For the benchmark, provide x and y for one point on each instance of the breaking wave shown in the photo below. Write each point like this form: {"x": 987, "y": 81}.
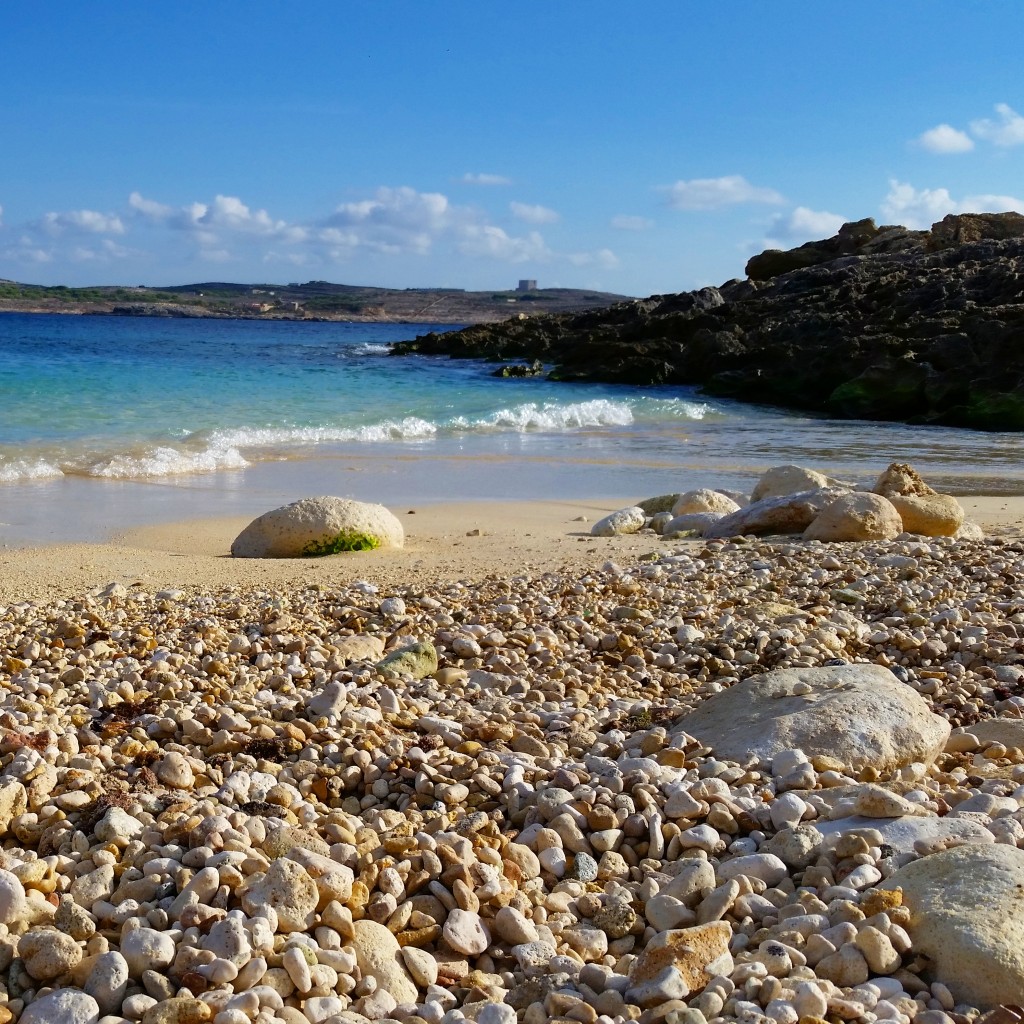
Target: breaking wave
{"x": 235, "y": 448}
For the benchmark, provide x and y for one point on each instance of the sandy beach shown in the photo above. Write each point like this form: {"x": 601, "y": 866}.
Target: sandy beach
{"x": 461, "y": 541}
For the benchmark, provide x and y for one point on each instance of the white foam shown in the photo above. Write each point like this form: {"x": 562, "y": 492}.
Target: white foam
{"x": 598, "y": 412}
{"x": 680, "y": 408}
{"x": 18, "y": 470}
{"x": 409, "y": 428}
{"x": 369, "y": 349}
{"x": 167, "y": 461}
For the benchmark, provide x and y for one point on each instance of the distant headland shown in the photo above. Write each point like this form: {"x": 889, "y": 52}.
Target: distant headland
{"x": 314, "y": 300}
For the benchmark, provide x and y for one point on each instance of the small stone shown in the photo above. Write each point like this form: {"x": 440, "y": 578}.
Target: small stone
{"x": 421, "y": 965}
{"x": 118, "y": 826}
{"x": 699, "y": 953}
{"x": 584, "y": 867}
{"x": 48, "y": 953}
{"x": 513, "y": 927}
{"x": 108, "y": 981}
{"x": 464, "y": 931}
{"x": 146, "y": 949}
{"x": 290, "y": 891}
{"x": 625, "y": 520}
{"x": 63, "y": 1006}
{"x": 667, "y": 984}
{"x": 846, "y": 967}
{"x": 496, "y": 1013}
{"x": 179, "y": 1010}
{"x": 615, "y": 920}
{"x": 418, "y": 660}
{"x": 378, "y": 955}
{"x": 73, "y": 919}
{"x": 12, "y": 898}
{"x": 173, "y": 770}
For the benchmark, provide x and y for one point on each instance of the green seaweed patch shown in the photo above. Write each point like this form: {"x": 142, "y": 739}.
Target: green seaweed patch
{"x": 343, "y": 541}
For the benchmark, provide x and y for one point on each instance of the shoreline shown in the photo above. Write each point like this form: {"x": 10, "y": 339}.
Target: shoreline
{"x": 445, "y": 542}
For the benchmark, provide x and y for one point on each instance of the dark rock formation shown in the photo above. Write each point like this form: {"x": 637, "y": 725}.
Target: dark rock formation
{"x": 874, "y": 323}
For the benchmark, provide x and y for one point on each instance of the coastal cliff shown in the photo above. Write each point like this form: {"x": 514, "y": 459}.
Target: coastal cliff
{"x": 874, "y": 323}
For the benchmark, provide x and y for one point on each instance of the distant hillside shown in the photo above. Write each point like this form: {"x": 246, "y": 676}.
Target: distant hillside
{"x": 314, "y": 300}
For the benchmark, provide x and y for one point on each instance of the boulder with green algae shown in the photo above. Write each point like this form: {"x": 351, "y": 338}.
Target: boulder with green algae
{"x": 313, "y": 527}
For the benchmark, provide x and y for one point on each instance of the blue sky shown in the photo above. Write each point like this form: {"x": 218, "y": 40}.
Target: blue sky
{"x": 636, "y": 148}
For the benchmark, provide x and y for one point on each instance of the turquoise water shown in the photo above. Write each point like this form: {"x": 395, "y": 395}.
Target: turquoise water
{"x": 129, "y": 420}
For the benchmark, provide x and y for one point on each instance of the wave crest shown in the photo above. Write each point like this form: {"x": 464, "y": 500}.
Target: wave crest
{"x": 23, "y": 470}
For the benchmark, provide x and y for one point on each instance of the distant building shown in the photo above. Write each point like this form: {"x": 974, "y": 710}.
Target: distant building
{"x": 526, "y": 285}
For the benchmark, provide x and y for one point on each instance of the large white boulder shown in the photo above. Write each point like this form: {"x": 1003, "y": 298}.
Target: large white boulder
{"x": 625, "y": 520}
{"x": 856, "y": 516}
{"x": 319, "y": 526}
{"x": 965, "y": 918}
{"x": 932, "y": 515}
{"x": 703, "y": 500}
{"x": 696, "y": 523}
{"x": 780, "y": 480}
{"x": 900, "y": 478}
{"x": 860, "y": 714}
{"x": 902, "y": 833}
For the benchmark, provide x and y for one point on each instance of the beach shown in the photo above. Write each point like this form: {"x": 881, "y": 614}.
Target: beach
{"x": 511, "y": 771}
{"x": 445, "y": 542}
{"x": 483, "y": 776}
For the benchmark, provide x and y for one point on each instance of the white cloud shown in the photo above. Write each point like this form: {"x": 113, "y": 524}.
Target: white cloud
{"x": 986, "y": 203}
{"x": 27, "y": 252}
{"x": 603, "y": 258}
{"x": 1006, "y": 130}
{"x": 492, "y": 241}
{"x": 533, "y": 214}
{"x": 623, "y": 222}
{"x": 803, "y": 224}
{"x": 714, "y": 193}
{"x": 106, "y": 251}
{"x": 920, "y": 208}
{"x": 485, "y": 179}
{"x": 224, "y": 214}
{"x": 916, "y": 208}
{"x": 944, "y": 138}
{"x": 391, "y": 221}
{"x": 395, "y": 220}
{"x": 149, "y": 207}
{"x": 89, "y": 221}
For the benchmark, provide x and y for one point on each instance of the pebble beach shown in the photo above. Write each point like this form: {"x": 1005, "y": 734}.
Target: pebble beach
{"x": 496, "y": 786}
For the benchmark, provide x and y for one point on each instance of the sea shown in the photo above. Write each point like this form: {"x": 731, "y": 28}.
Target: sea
{"x": 112, "y": 422}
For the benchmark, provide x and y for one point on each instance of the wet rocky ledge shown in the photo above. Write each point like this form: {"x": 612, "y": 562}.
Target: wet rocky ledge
{"x": 745, "y": 779}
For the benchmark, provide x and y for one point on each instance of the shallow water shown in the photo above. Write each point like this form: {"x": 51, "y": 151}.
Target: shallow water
{"x": 107, "y": 422}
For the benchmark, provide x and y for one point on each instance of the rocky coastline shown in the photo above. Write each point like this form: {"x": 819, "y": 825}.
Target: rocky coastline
{"x": 875, "y": 323}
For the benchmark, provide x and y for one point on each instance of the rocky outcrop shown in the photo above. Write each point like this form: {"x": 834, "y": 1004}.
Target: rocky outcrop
{"x": 874, "y": 323}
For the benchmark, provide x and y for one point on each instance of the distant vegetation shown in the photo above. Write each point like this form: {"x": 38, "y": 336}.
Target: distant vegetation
{"x": 316, "y": 300}
{"x": 61, "y": 293}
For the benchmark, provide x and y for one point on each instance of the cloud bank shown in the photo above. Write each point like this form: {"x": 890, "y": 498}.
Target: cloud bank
{"x": 920, "y": 208}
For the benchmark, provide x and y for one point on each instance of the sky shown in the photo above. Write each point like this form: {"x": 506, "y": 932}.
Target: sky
{"x": 634, "y": 148}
